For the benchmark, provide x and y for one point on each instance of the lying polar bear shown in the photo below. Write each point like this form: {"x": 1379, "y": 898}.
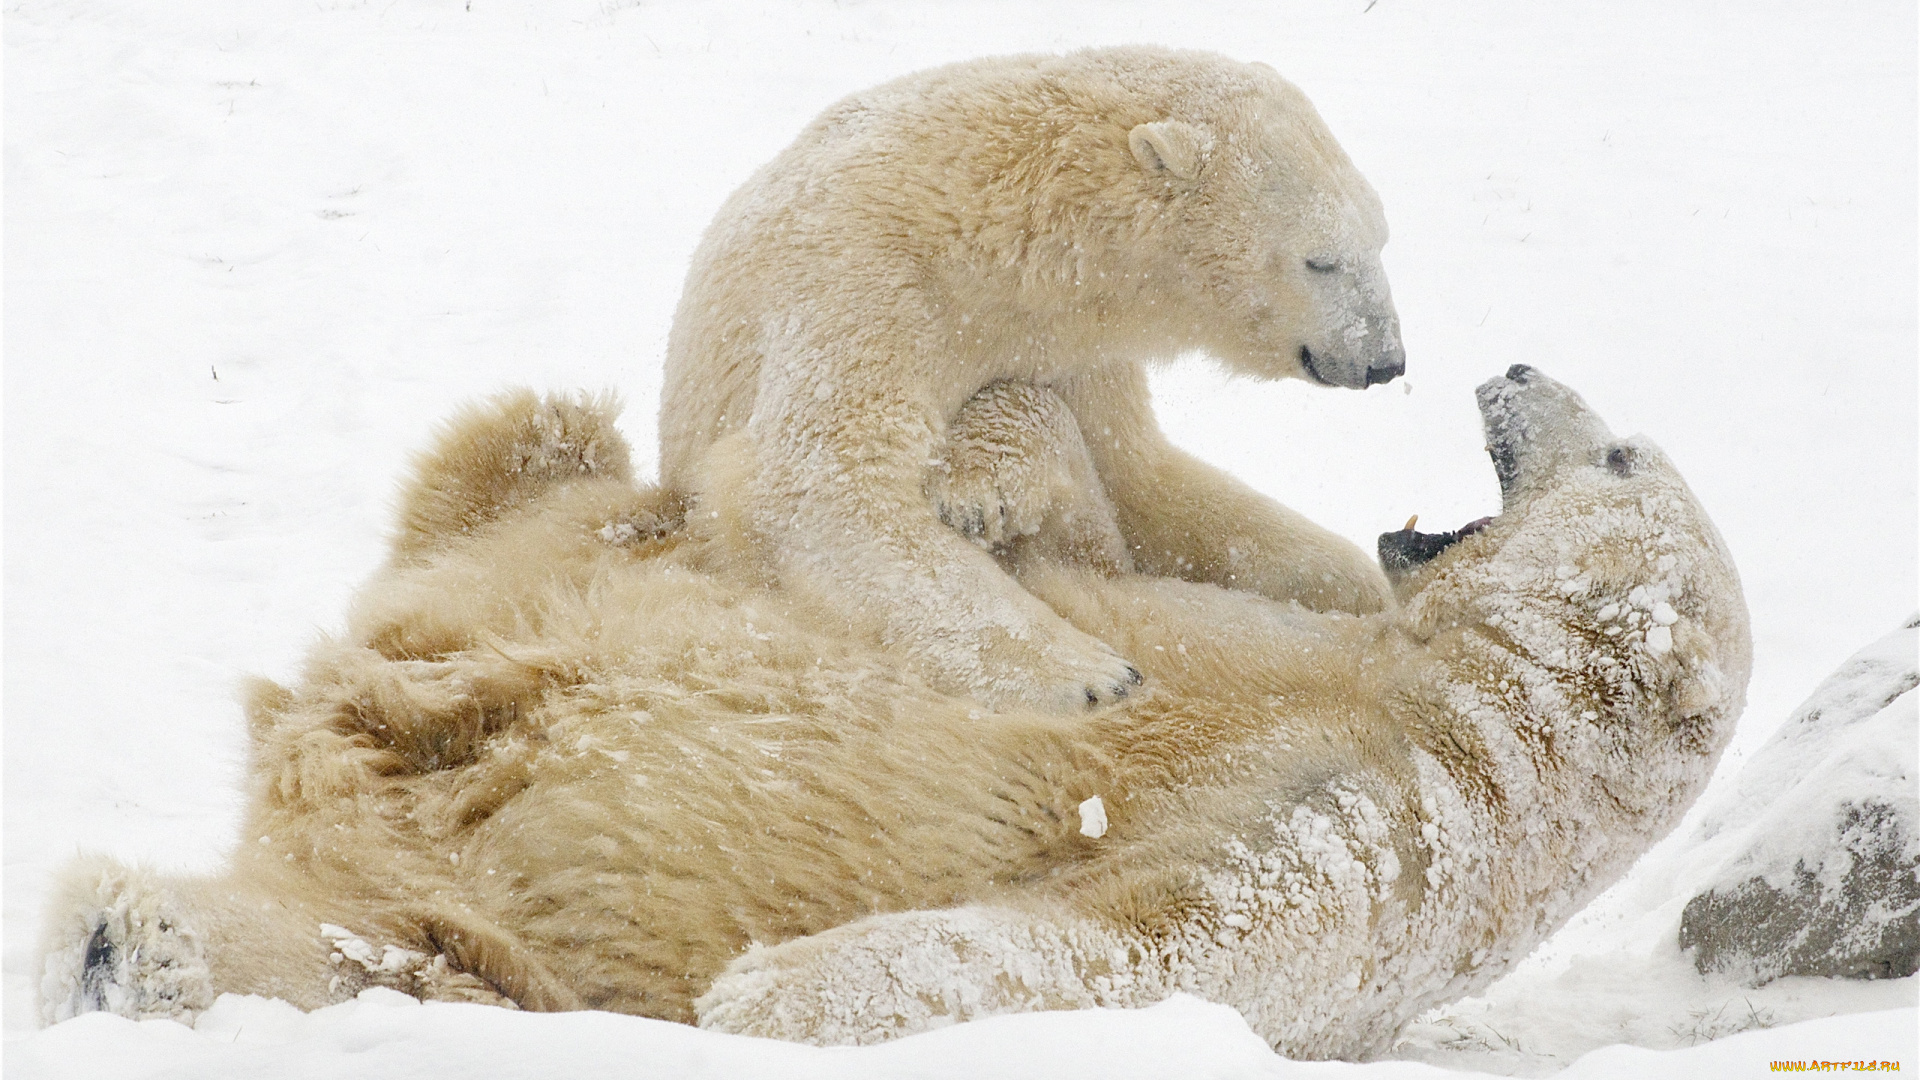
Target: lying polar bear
{"x": 572, "y": 755}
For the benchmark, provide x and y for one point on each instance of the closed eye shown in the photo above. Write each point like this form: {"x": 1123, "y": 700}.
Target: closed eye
{"x": 1322, "y": 266}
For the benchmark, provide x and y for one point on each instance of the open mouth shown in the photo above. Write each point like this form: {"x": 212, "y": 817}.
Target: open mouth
{"x": 1307, "y": 365}
{"x": 1407, "y": 549}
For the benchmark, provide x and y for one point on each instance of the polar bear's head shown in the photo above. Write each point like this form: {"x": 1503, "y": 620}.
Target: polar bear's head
{"x": 1548, "y": 446}
{"x": 1601, "y": 576}
{"x": 1571, "y": 492}
{"x": 1282, "y": 235}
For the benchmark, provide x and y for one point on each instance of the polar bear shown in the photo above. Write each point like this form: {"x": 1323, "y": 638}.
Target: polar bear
{"x": 636, "y": 778}
{"x": 1055, "y": 220}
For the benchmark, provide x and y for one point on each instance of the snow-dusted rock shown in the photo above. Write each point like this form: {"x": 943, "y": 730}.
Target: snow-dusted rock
{"x": 1828, "y": 879}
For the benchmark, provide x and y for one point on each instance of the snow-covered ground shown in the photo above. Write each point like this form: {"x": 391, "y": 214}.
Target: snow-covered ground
{"x": 387, "y": 1035}
{"x": 254, "y": 248}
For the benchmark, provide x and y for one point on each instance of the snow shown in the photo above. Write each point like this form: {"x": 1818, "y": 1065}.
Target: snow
{"x": 255, "y": 248}
{"x": 386, "y": 1035}
{"x": 1093, "y": 818}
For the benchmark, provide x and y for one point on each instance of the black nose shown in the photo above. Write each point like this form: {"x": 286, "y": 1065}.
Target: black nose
{"x": 1518, "y": 373}
{"x": 1387, "y": 372}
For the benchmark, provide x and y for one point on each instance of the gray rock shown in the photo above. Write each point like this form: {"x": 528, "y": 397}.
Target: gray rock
{"x": 1827, "y": 881}
{"x": 1866, "y": 928}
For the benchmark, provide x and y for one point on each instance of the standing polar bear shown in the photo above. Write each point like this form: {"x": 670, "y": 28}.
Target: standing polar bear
{"x": 567, "y": 756}
{"x": 1056, "y": 220}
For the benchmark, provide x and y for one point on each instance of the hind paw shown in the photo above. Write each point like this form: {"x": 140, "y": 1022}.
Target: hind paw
{"x": 126, "y": 952}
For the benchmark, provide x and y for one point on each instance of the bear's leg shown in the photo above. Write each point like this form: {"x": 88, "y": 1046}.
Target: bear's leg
{"x": 117, "y": 940}
{"x": 1016, "y": 478}
{"x": 498, "y": 455}
{"x": 1184, "y": 518}
{"x": 146, "y": 946}
{"x": 839, "y": 490}
{"x": 890, "y": 976}
{"x": 142, "y": 945}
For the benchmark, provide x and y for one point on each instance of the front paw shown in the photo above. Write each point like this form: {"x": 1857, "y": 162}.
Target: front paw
{"x": 788, "y": 992}
{"x": 1065, "y": 671}
{"x": 986, "y": 507}
{"x": 889, "y": 976}
{"x": 1096, "y": 680}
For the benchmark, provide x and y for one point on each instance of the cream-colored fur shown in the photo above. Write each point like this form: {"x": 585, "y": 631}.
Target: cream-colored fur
{"x": 571, "y": 754}
{"x": 1057, "y": 220}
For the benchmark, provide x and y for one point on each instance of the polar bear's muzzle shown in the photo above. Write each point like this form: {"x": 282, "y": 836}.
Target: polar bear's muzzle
{"x": 1391, "y": 364}
{"x": 1536, "y": 429}
{"x": 1509, "y": 427}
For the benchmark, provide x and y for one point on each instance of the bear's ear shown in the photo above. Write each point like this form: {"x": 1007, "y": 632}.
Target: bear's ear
{"x": 1169, "y": 146}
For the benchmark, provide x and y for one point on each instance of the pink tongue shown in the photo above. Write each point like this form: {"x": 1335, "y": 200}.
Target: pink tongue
{"x": 1475, "y": 526}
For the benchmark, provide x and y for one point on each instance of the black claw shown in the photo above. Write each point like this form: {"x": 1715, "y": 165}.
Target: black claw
{"x": 96, "y": 970}
{"x": 1092, "y": 698}
{"x": 1134, "y": 676}
{"x": 99, "y": 949}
